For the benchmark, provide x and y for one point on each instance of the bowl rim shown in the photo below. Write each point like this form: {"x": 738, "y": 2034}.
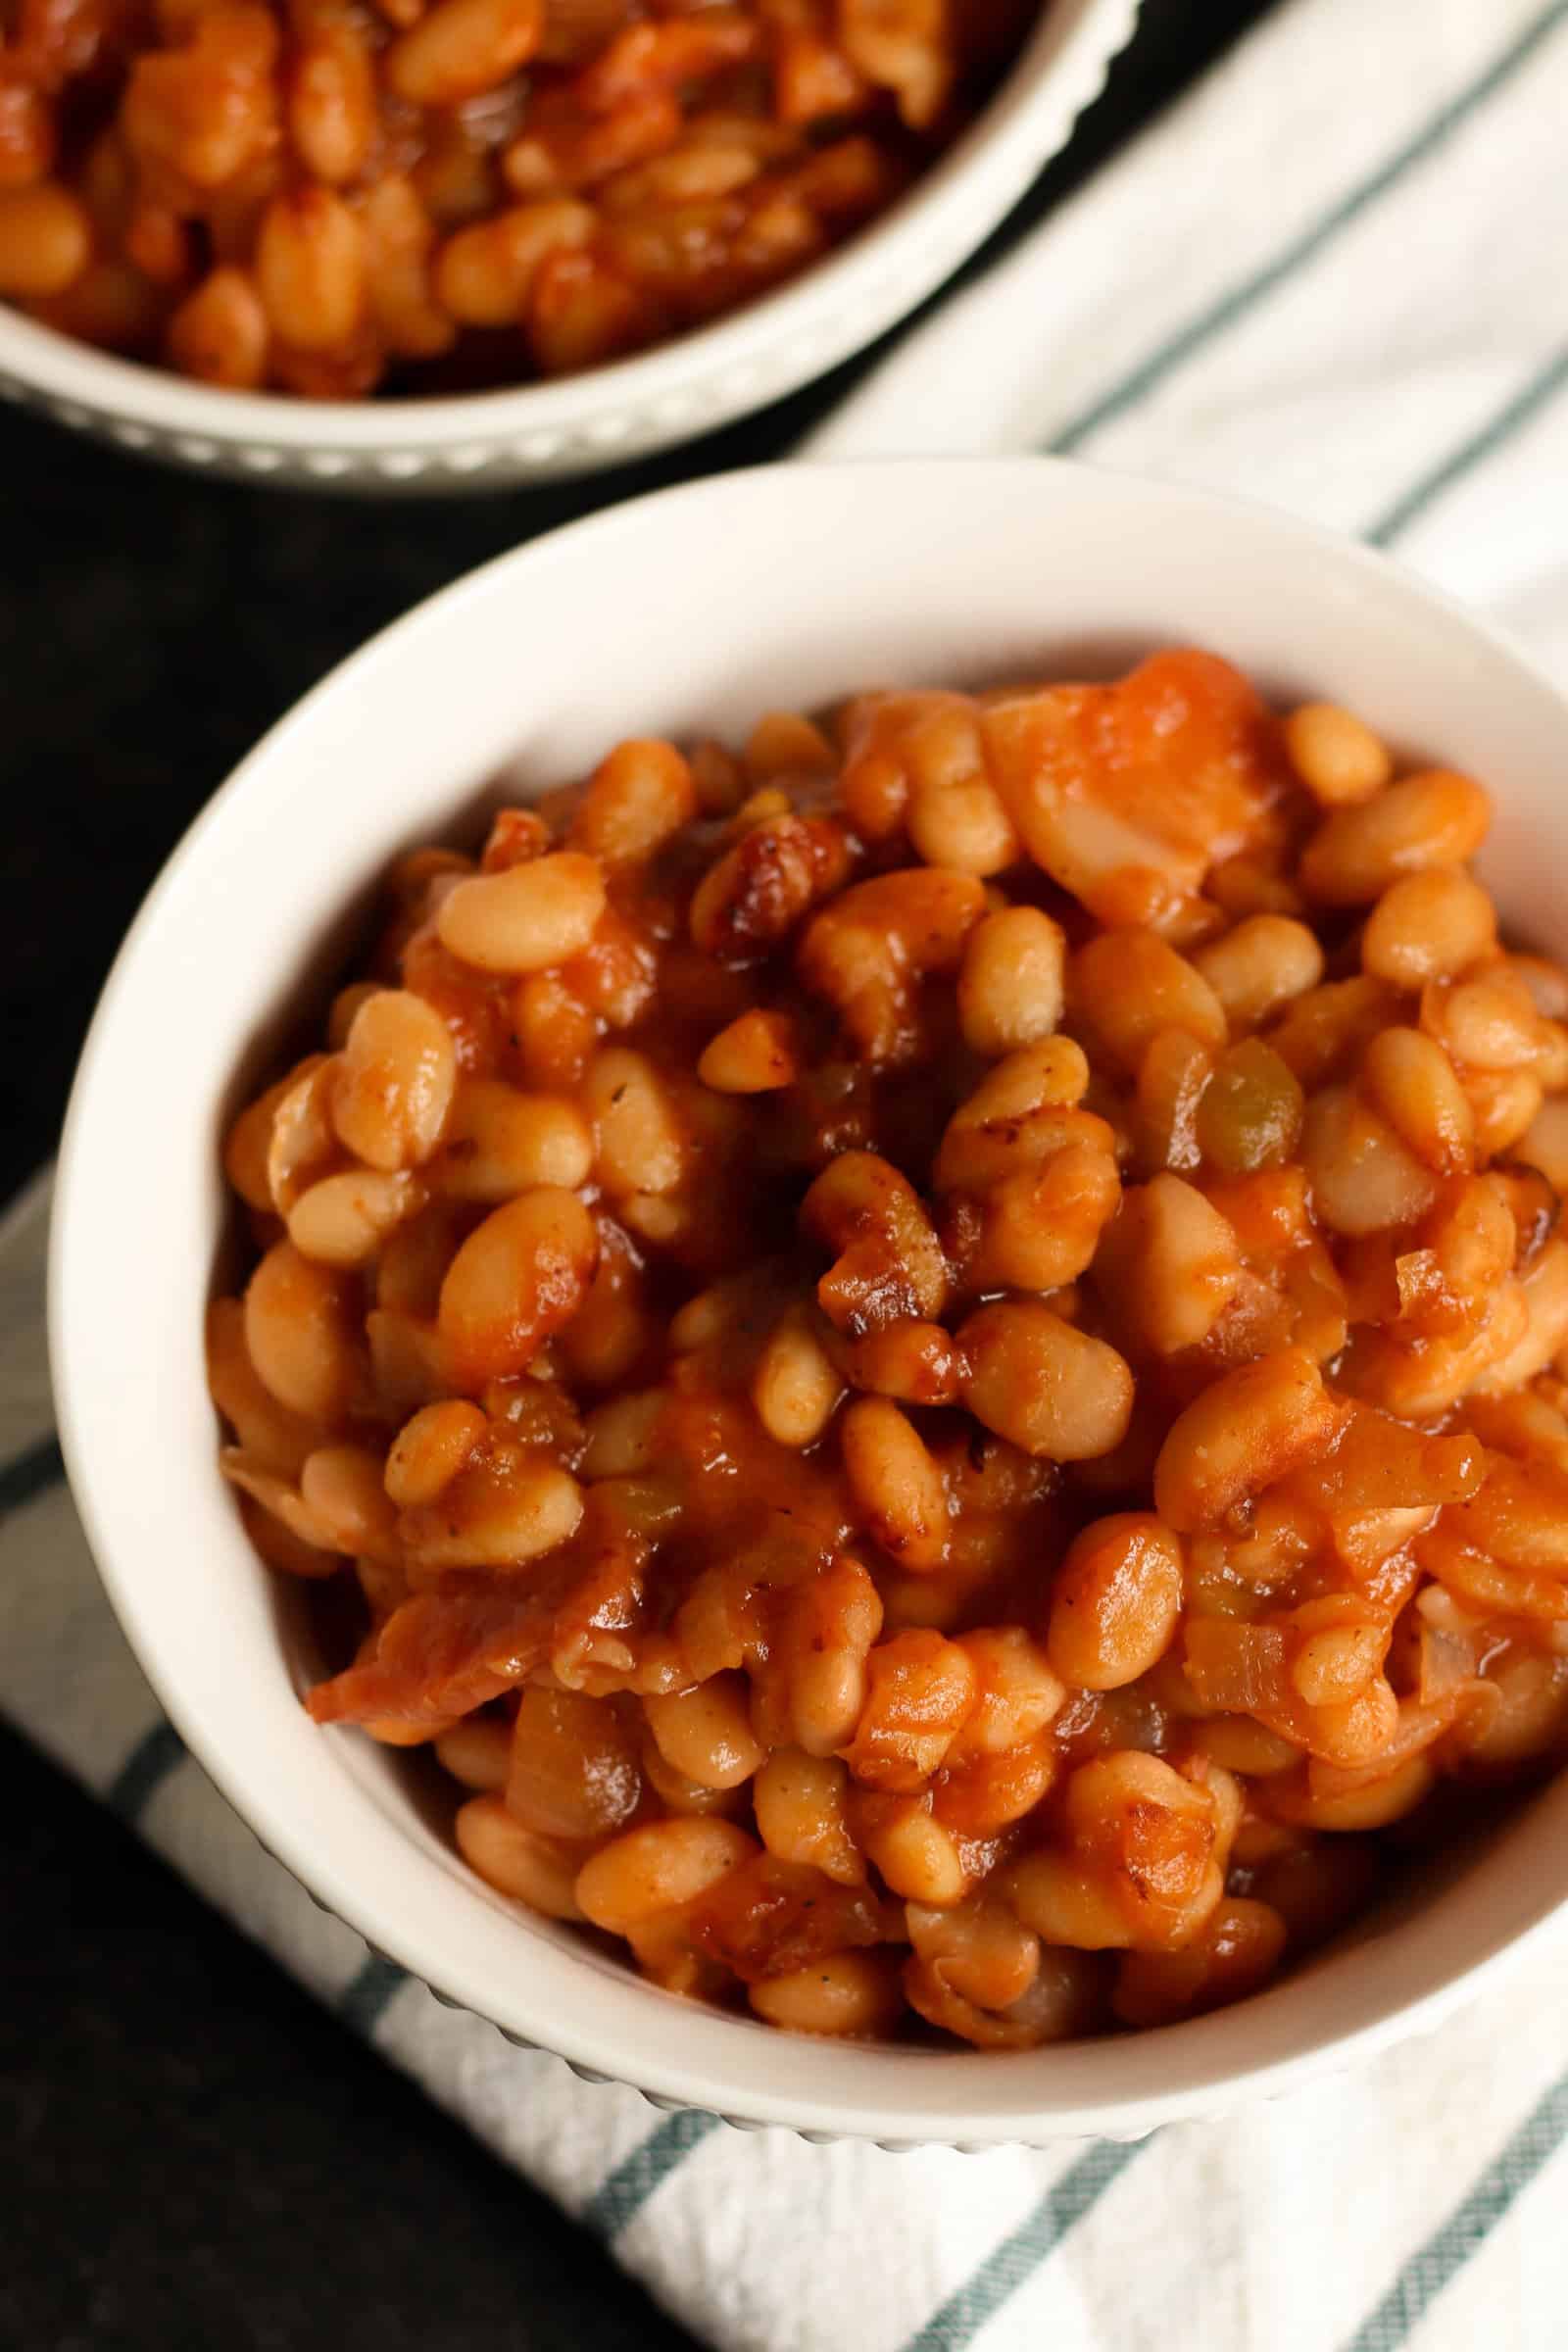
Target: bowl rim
{"x": 1058, "y": 74}
{"x": 1192, "y": 2088}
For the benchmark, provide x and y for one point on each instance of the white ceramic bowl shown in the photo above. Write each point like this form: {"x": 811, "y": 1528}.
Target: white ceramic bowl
{"x": 690, "y": 386}
{"x": 693, "y": 610}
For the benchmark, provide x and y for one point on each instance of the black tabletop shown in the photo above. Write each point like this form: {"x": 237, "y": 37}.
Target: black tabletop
{"x": 202, "y": 2156}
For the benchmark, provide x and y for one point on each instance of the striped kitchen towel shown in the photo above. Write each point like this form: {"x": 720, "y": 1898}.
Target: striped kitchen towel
{"x": 1331, "y": 277}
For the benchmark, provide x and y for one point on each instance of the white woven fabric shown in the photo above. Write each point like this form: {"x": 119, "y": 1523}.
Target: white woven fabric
{"x": 1332, "y": 277}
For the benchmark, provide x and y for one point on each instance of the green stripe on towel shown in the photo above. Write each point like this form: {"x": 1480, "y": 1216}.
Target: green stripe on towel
{"x": 1467, "y": 2229}
{"x": 1516, "y": 412}
{"x": 32, "y": 1474}
{"x": 144, "y": 1772}
{"x": 626, "y": 2190}
{"x": 1018, "y": 2257}
{"x": 1248, "y": 291}
{"x": 369, "y": 1995}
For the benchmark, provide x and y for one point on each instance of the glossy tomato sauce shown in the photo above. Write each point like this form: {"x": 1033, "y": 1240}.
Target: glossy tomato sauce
{"x": 934, "y": 1347}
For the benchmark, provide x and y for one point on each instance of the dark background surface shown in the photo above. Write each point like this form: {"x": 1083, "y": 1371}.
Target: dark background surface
{"x": 202, "y": 2157}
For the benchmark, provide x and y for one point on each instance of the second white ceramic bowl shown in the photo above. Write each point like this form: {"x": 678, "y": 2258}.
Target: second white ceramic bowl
{"x": 488, "y": 440}
{"x": 691, "y": 613}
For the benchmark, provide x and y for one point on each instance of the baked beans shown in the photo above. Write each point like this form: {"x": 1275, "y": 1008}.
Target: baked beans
{"x": 335, "y": 197}
{"x": 933, "y": 1350}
